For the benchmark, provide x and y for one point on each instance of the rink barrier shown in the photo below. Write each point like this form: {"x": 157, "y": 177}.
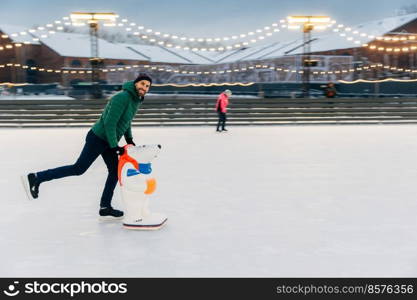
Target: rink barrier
{"x": 171, "y": 112}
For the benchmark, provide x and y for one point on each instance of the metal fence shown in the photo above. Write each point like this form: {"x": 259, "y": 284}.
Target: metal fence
{"x": 165, "y": 112}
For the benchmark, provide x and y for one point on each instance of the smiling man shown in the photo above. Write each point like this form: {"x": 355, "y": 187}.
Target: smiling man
{"x": 102, "y": 139}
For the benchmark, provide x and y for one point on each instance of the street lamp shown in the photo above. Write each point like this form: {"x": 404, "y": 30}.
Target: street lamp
{"x": 93, "y": 20}
{"x": 307, "y": 24}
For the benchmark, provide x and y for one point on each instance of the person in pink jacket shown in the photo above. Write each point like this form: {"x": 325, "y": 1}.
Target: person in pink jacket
{"x": 221, "y": 108}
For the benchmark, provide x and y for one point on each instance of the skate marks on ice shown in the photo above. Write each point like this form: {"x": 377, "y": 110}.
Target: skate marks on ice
{"x": 330, "y": 200}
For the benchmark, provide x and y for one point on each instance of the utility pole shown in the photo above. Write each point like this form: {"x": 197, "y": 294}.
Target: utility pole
{"x": 308, "y": 23}
{"x": 95, "y": 61}
{"x": 306, "y": 60}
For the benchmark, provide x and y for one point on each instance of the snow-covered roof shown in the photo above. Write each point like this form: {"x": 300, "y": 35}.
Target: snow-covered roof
{"x": 334, "y": 41}
{"x": 17, "y": 34}
{"x": 78, "y": 45}
{"x": 329, "y": 41}
{"x": 259, "y": 52}
{"x": 216, "y": 57}
{"x": 194, "y": 57}
{"x": 167, "y": 55}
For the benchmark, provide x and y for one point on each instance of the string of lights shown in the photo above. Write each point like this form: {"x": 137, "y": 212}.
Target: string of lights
{"x": 176, "y": 70}
{"x": 240, "y": 83}
{"x": 152, "y": 36}
{"x": 165, "y": 84}
{"x": 344, "y": 31}
{"x": 390, "y": 49}
{"x": 44, "y": 69}
{"x": 43, "y": 31}
{"x": 377, "y": 81}
{"x": 205, "y": 84}
{"x": 168, "y": 40}
{"x": 357, "y": 36}
{"x": 397, "y": 38}
{"x": 386, "y": 44}
{"x": 13, "y": 84}
{"x": 149, "y": 33}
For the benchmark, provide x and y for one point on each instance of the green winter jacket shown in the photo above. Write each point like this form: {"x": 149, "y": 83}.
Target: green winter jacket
{"x": 116, "y": 119}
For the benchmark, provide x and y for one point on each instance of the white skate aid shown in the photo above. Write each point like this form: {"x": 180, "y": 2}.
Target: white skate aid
{"x": 136, "y": 184}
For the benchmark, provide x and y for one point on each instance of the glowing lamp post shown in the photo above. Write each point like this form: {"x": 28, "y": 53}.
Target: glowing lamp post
{"x": 93, "y": 20}
{"x": 307, "y": 24}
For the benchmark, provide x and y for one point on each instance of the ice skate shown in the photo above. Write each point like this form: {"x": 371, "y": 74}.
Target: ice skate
{"x": 110, "y": 214}
{"x": 31, "y": 185}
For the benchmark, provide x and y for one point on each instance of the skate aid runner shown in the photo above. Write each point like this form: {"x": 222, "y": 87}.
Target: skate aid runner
{"x": 136, "y": 184}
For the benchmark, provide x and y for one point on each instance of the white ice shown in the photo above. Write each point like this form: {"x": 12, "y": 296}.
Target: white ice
{"x": 284, "y": 201}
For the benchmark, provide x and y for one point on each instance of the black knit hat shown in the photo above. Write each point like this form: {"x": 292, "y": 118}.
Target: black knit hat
{"x": 143, "y": 76}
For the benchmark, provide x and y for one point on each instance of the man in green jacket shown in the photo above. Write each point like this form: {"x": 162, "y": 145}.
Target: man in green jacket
{"x": 102, "y": 139}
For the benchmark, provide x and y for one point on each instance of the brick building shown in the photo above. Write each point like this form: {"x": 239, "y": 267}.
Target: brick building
{"x": 65, "y": 56}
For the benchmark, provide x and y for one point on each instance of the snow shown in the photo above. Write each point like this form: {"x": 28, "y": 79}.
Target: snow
{"x": 15, "y": 29}
{"x": 272, "y": 201}
{"x": 158, "y": 54}
{"x": 78, "y": 45}
{"x": 376, "y": 28}
{"x": 325, "y": 41}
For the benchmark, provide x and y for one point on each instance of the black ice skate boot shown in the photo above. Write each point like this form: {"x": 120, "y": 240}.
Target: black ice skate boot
{"x": 31, "y": 185}
{"x": 109, "y": 213}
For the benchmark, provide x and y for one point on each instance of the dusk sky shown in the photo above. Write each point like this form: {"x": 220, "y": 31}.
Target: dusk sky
{"x": 200, "y": 17}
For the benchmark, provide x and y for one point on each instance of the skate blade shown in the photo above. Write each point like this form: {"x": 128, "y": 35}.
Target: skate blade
{"x": 26, "y": 186}
{"x": 109, "y": 218}
{"x": 145, "y": 227}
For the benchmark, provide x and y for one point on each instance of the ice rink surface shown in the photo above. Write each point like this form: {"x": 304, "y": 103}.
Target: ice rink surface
{"x": 279, "y": 201}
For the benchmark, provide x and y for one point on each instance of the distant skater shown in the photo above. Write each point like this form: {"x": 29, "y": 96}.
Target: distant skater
{"x": 330, "y": 90}
{"x": 102, "y": 139}
{"x": 221, "y": 108}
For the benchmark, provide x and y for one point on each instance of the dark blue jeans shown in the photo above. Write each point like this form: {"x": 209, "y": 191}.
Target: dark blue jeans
{"x": 222, "y": 120}
{"x": 94, "y": 146}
